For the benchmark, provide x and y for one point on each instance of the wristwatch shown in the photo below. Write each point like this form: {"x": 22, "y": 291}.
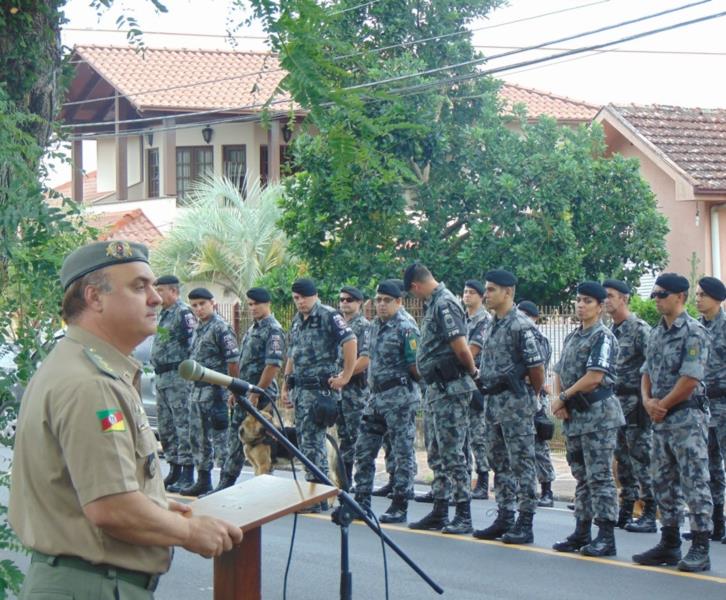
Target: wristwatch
{"x": 562, "y": 397}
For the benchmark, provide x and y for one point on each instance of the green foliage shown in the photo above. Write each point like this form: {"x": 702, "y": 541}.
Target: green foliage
{"x": 647, "y": 311}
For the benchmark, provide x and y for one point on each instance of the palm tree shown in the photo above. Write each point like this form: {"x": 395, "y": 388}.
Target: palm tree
{"x": 222, "y": 237}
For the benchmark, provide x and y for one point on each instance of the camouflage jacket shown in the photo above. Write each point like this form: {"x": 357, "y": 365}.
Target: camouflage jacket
{"x": 362, "y": 329}
{"x": 214, "y": 344}
{"x": 314, "y": 342}
{"x": 263, "y": 344}
{"x": 592, "y": 349}
{"x": 173, "y": 340}
{"x": 476, "y": 326}
{"x": 632, "y": 335}
{"x": 715, "y": 375}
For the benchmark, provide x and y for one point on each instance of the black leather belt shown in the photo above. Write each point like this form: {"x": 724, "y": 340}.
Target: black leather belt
{"x": 623, "y": 390}
{"x": 313, "y": 383}
{"x": 160, "y": 370}
{"x": 389, "y": 384}
{"x": 140, "y": 579}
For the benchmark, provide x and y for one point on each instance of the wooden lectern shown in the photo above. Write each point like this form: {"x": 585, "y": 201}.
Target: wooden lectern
{"x": 251, "y": 504}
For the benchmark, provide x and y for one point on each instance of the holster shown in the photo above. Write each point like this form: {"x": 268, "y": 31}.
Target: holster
{"x": 324, "y": 409}
{"x": 219, "y": 413}
{"x": 583, "y": 402}
{"x": 359, "y": 381}
{"x": 373, "y": 423}
{"x": 477, "y": 401}
{"x": 638, "y": 416}
{"x": 544, "y": 426}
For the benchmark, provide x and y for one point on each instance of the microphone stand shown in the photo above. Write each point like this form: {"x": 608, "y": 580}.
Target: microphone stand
{"x": 348, "y": 506}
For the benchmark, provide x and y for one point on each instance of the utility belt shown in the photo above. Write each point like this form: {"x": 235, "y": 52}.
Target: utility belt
{"x": 698, "y": 403}
{"x": 624, "y": 390}
{"x": 444, "y": 372}
{"x": 161, "y": 369}
{"x": 582, "y": 402}
{"x": 140, "y": 579}
{"x": 308, "y": 383}
{"x": 712, "y": 393}
{"x": 359, "y": 380}
{"x": 389, "y": 384}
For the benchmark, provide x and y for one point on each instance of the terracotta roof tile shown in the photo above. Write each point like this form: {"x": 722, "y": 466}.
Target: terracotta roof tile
{"x": 540, "y": 103}
{"x": 132, "y": 225}
{"x": 693, "y": 138}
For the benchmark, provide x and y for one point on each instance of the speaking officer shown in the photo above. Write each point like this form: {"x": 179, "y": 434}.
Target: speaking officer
{"x": 635, "y": 439}
{"x": 171, "y": 346}
{"x": 445, "y": 362}
{"x": 672, "y": 389}
{"x": 510, "y": 353}
{"x": 584, "y": 378}
{"x": 393, "y": 402}
{"x": 214, "y": 346}
{"x": 86, "y": 494}
{"x": 317, "y": 334}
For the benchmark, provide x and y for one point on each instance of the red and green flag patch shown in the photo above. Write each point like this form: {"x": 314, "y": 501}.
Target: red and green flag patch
{"x": 111, "y": 420}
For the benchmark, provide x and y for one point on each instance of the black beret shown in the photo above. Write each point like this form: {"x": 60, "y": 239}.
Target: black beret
{"x": 304, "y": 287}
{"x": 408, "y": 275}
{"x": 167, "y": 280}
{"x": 200, "y": 294}
{"x": 258, "y": 294}
{"x": 501, "y": 277}
{"x": 529, "y": 307}
{"x": 352, "y": 291}
{"x": 399, "y": 283}
{"x": 390, "y": 287}
{"x": 475, "y": 284}
{"x": 713, "y": 287}
{"x": 672, "y": 282}
{"x": 616, "y": 284}
{"x": 98, "y": 255}
{"x": 592, "y": 289}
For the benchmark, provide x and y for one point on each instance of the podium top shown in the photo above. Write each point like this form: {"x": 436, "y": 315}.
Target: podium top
{"x": 261, "y": 499}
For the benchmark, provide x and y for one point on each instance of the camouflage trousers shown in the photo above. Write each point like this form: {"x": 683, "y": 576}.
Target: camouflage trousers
{"x": 543, "y": 461}
{"x": 310, "y": 435}
{"x": 235, "y": 449}
{"x": 476, "y": 452}
{"x": 590, "y": 457}
{"x": 680, "y": 473}
{"x": 350, "y": 410}
{"x": 207, "y": 413}
{"x": 717, "y": 450}
{"x": 632, "y": 452}
{"x": 172, "y": 413}
{"x": 448, "y": 423}
{"x": 396, "y": 424}
{"x": 511, "y": 457}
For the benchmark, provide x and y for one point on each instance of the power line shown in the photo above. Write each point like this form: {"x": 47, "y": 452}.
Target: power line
{"x": 170, "y": 33}
{"x": 616, "y": 50}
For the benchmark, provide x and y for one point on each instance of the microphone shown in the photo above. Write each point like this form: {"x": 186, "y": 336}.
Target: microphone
{"x": 193, "y": 371}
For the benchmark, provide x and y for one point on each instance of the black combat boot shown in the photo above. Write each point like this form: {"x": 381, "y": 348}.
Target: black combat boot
{"x": 646, "y": 522}
{"x": 202, "y": 486}
{"x": 436, "y": 520}
{"x": 577, "y": 539}
{"x": 365, "y": 502}
{"x": 461, "y": 523}
{"x": 397, "y": 512}
{"x": 604, "y": 543}
{"x": 503, "y": 523}
{"x": 481, "y": 490}
{"x": 173, "y": 475}
{"x": 625, "y": 514}
{"x": 697, "y": 558}
{"x": 186, "y": 479}
{"x": 385, "y": 489}
{"x": 666, "y": 552}
{"x": 225, "y": 481}
{"x": 546, "y": 500}
{"x": 718, "y": 523}
{"x": 521, "y": 533}
{"x": 428, "y": 497}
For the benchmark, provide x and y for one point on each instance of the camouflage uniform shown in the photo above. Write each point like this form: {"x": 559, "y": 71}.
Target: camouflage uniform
{"x": 392, "y": 405}
{"x": 542, "y": 459}
{"x": 313, "y": 348}
{"x": 635, "y": 439}
{"x": 213, "y": 346}
{"x": 592, "y": 433}
{"x": 354, "y": 396}
{"x": 447, "y": 402}
{"x": 476, "y": 332}
{"x": 511, "y": 344}
{"x": 171, "y": 346}
{"x": 680, "y": 447}
{"x": 263, "y": 344}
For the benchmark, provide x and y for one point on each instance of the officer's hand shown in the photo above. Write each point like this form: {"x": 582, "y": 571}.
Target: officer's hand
{"x": 209, "y": 537}
{"x": 178, "y": 507}
{"x": 655, "y": 410}
{"x": 253, "y": 398}
{"x": 231, "y": 401}
{"x": 338, "y": 382}
{"x": 284, "y": 396}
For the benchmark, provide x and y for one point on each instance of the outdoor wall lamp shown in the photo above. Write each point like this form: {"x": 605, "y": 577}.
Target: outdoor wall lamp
{"x": 286, "y": 132}
{"x": 150, "y": 138}
{"x": 207, "y": 134}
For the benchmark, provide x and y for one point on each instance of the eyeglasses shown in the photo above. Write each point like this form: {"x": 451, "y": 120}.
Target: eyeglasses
{"x": 662, "y": 294}
{"x": 347, "y": 299}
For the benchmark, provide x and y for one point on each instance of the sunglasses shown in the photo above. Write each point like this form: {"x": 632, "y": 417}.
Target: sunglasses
{"x": 662, "y": 294}
{"x": 347, "y": 299}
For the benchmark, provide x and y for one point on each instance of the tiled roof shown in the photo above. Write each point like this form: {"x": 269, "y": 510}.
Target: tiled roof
{"x": 540, "y": 103}
{"x": 90, "y": 193}
{"x": 132, "y": 225}
{"x": 692, "y": 138}
{"x": 188, "y": 80}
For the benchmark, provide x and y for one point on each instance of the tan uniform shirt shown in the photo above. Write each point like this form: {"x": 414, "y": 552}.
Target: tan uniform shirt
{"x": 83, "y": 434}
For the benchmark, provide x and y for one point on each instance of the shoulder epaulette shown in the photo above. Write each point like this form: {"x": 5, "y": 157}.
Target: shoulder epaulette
{"x": 100, "y": 362}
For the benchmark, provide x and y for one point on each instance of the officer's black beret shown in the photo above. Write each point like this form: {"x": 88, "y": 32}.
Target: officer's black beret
{"x": 390, "y": 287}
{"x": 618, "y": 285}
{"x": 98, "y": 255}
{"x": 672, "y": 282}
{"x": 258, "y": 294}
{"x": 354, "y": 292}
{"x": 399, "y": 283}
{"x": 713, "y": 287}
{"x": 475, "y": 284}
{"x": 304, "y": 287}
{"x": 167, "y": 280}
{"x": 200, "y": 294}
{"x": 592, "y": 289}
{"x": 529, "y": 307}
{"x": 501, "y": 277}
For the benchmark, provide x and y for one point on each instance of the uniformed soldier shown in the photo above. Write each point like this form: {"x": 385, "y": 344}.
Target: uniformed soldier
{"x": 477, "y": 321}
{"x": 673, "y": 394}
{"x": 262, "y": 354}
{"x": 635, "y": 439}
{"x": 214, "y": 346}
{"x": 172, "y": 344}
{"x": 393, "y": 402}
{"x": 542, "y": 458}
{"x": 510, "y": 353}
{"x": 584, "y": 378}
{"x": 354, "y": 396}
{"x": 312, "y": 381}
{"x": 709, "y": 296}
{"x": 86, "y": 492}
{"x": 446, "y": 364}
